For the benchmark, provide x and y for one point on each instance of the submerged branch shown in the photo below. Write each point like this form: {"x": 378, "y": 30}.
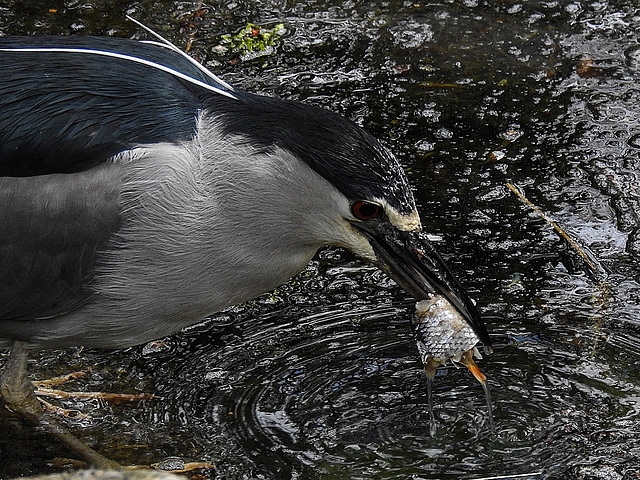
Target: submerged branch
{"x": 594, "y": 268}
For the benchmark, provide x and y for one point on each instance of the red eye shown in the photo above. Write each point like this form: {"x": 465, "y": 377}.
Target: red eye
{"x": 365, "y": 210}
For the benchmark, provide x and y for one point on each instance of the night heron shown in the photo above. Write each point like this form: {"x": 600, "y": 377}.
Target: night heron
{"x": 140, "y": 193}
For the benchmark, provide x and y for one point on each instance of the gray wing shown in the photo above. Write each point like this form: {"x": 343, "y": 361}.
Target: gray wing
{"x": 52, "y": 227}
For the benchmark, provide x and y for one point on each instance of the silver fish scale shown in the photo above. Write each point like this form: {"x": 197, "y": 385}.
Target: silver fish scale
{"x": 440, "y": 330}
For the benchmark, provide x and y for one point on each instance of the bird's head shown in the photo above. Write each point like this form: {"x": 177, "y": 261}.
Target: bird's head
{"x": 376, "y": 215}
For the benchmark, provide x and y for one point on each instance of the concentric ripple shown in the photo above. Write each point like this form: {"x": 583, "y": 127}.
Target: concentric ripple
{"x": 329, "y": 392}
{"x": 339, "y": 393}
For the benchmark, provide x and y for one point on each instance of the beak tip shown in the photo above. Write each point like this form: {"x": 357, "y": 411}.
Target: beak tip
{"x": 412, "y": 261}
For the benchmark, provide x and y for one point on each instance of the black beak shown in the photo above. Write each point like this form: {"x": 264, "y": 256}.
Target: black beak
{"x": 410, "y": 259}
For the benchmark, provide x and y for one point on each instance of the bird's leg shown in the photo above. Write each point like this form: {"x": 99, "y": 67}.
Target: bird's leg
{"x": 19, "y": 396}
{"x": 16, "y": 389}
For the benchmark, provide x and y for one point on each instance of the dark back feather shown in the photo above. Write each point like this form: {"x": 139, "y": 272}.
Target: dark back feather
{"x": 64, "y": 111}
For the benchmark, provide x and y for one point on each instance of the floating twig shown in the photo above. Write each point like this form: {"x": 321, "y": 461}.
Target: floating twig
{"x": 594, "y": 266}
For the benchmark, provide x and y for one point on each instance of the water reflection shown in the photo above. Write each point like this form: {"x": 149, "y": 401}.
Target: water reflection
{"x": 321, "y": 379}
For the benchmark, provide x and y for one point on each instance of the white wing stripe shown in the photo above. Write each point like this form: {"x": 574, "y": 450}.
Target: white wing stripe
{"x": 121, "y": 56}
{"x": 167, "y": 44}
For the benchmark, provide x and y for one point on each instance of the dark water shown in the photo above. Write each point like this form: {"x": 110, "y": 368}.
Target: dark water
{"x": 321, "y": 379}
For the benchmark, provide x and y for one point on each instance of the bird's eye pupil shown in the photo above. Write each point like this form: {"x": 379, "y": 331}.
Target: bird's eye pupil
{"x": 365, "y": 210}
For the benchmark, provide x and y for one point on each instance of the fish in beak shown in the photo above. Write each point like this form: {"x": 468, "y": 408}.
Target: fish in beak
{"x": 409, "y": 258}
{"x": 442, "y": 335}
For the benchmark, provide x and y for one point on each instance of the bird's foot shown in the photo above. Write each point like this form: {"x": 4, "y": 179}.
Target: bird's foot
{"x": 55, "y": 381}
{"x": 111, "y": 397}
{"x": 19, "y": 397}
{"x": 48, "y": 422}
{"x": 43, "y": 389}
{"x": 70, "y": 413}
